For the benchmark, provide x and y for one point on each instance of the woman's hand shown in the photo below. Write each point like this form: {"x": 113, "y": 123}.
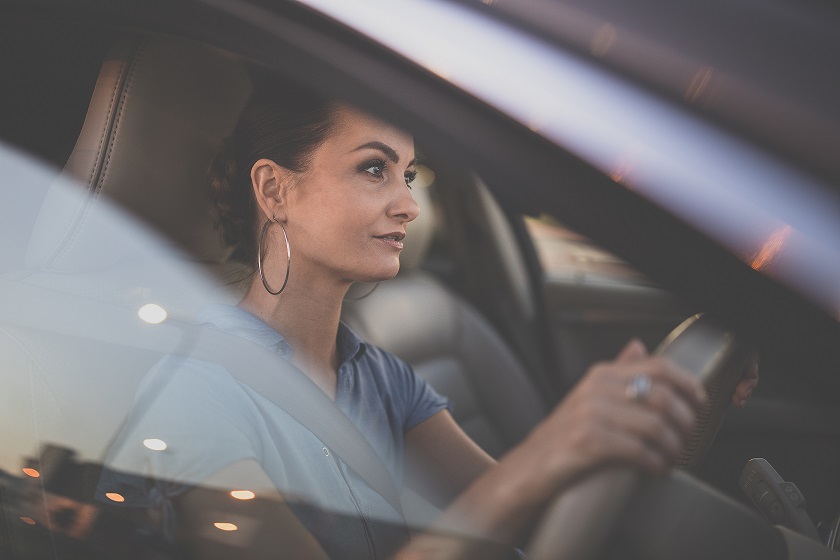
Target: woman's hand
{"x": 610, "y": 418}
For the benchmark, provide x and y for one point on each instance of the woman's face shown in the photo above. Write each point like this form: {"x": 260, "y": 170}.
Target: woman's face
{"x": 346, "y": 215}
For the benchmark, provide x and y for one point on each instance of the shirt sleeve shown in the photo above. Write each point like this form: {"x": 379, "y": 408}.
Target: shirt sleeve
{"x": 420, "y": 401}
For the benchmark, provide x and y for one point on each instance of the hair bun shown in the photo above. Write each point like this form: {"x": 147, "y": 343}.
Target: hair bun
{"x": 232, "y": 212}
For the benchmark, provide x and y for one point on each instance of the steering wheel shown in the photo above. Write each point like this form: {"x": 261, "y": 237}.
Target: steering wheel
{"x": 583, "y": 516}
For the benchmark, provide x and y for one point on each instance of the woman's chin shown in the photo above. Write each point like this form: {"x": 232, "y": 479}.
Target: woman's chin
{"x": 380, "y": 274}
{"x": 378, "y": 277}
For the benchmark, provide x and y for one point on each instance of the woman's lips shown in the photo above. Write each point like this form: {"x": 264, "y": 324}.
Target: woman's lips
{"x": 392, "y": 239}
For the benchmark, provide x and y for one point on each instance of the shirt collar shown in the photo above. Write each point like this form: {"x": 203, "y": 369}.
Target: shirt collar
{"x": 236, "y": 320}
{"x": 349, "y": 345}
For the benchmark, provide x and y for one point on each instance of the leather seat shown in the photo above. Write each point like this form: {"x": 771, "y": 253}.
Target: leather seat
{"x": 158, "y": 114}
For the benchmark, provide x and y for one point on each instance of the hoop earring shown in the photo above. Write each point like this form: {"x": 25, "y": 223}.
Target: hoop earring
{"x": 364, "y": 296}
{"x": 260, "y": 253}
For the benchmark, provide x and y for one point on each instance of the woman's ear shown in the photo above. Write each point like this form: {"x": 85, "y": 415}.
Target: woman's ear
{"x": 271, "y": 183}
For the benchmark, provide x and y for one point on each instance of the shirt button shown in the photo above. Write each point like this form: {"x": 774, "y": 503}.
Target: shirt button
{"x": 326, "y": 452}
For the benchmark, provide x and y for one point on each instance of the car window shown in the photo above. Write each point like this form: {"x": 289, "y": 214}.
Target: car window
{"x": 107, "y": 269}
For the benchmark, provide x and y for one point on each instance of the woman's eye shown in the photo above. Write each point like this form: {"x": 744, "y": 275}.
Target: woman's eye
{"x": 409, "y": 177}
{"x": 375, "y": 168}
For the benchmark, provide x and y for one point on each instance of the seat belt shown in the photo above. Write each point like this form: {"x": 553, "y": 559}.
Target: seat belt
{"x": 292, "y": 391}
{"x": 254, "y": 365}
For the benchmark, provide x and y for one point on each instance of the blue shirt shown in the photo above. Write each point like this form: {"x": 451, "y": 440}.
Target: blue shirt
{"x": 209, "y": 420}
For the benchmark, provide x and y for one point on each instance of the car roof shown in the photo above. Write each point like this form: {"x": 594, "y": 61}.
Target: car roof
{"x": 762, "y": 68}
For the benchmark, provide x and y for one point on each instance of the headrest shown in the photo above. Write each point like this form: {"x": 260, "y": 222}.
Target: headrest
{"x": 159, "y": 112}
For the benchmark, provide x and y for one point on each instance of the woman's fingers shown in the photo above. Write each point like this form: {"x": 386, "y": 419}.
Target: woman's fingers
{"x": 668, "y": 405}
{"x": 683, "y": 382}
{"x": 634, "y": 351}
{"x": 650, "y": 403}
{"x": 648, "y": 427}
{"x": 672, "y": 390}
{"x": 618, "y": 446}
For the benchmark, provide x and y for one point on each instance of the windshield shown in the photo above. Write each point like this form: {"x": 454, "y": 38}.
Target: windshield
{"x": 766, "y": 211}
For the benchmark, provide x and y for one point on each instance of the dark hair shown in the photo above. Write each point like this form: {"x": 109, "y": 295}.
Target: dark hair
{"x": 283, "y": 122}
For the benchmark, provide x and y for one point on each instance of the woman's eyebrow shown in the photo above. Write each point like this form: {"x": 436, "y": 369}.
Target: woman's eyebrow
{"x": 389, "y": 152}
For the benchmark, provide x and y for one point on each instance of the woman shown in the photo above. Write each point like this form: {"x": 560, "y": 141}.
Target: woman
{"x": 316, "y": 195}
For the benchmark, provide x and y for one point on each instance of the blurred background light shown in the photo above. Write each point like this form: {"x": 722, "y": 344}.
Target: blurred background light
{"x": 152, "y": 313}
{"x": 243, "y": 494}
{"x": 155, "y": 444}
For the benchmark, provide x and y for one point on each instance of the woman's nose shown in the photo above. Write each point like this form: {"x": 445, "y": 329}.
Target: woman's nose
{"x": 405, "y": 207}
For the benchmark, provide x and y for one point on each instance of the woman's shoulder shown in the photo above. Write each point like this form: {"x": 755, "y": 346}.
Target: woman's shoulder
{"x": 378, "y": 361}
{"x": 392, "y": 375}
{"x": 176, "y": 375}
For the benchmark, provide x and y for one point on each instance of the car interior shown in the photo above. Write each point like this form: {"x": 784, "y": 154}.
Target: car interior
{"x": 154, "y": 88}
{"x": 470, "y": 310}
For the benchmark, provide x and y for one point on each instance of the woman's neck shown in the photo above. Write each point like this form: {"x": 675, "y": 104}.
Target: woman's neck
{"x": 308, "y": 320}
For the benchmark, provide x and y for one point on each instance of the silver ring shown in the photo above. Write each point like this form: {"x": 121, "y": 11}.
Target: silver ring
{"x": 638, "y": 388}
